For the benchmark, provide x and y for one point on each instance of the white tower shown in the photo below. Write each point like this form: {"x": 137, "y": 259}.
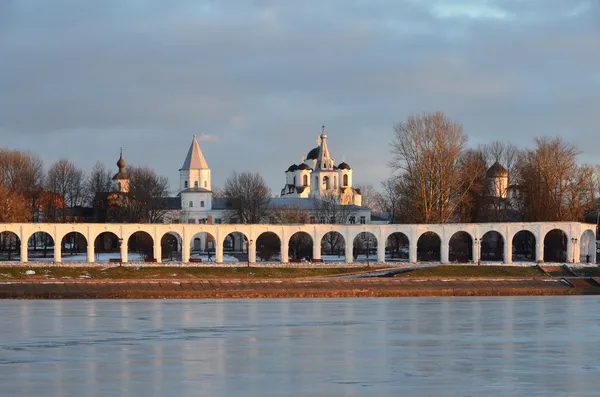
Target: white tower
{"x": 498, "y": 180}
{"x": 194, "y": 172}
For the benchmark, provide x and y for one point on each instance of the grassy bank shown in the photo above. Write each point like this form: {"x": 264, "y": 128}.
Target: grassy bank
{"x": 474, "y": 271}
{"x": 125, "y": 273}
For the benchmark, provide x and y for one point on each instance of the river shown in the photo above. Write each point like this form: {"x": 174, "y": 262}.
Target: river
{"x": 505, "y": 346}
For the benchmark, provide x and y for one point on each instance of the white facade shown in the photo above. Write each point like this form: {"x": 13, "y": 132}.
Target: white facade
{"x": 317, "y": 176}
{"x": 580, "y": 236}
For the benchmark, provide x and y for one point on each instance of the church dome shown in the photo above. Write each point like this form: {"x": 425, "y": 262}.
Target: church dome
{"x": 344, "y": 166}
{"x": 313, "y": 154}
{"x": 292, "y": 168}
{"x": 121, "y": 162}
{"x": 496, "y": 170}
{"x": 304, "y": 167}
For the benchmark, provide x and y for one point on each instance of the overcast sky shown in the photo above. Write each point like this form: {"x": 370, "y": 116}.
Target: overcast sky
{"x": 255, "y": 80}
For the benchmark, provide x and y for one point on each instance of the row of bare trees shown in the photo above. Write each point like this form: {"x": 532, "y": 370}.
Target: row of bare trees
{"x": 28, "y": 193}
{"x": 437, "y": 179}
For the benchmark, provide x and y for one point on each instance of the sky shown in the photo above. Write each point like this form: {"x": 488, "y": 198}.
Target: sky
{"x": 255, "y": 80}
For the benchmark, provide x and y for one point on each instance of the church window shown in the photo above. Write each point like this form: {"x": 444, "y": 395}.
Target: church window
{"x": 191, "y": 221}
{"x": 294, "y": 180}
{"x": 191, "y": 203}
{"x": 326, "y": 183}
{"x": 120, "y": 188}
{"x": 352, "y": 220}
{"x": 218, "y": 221}
{"x": 195, "y": 183}
{"x": 322, "y": 219}
{"x": 305, "y": 180}
{"x": 362, "y": 220}
{"x": 185, "y": 184}
{"x": 334, "y": 181}
{"x": 345, "y": 180}
{"x": 313, "y": 219}
{"x": 205, "y": 184}
{"x": 202, "y": 204}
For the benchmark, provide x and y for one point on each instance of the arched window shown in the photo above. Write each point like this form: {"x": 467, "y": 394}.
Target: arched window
{"x": 185, "y": 184}
{"x": 119, "y": 187}
{"x": 326, "y": 182}
{"x": 195, "y": 183}
{"x": 191, "y": 203}
{"x": 201, "y": 203}
{"x": 345, "y": 180}
{"x": 305, "y": 180}
{"x": 205, "y": 184}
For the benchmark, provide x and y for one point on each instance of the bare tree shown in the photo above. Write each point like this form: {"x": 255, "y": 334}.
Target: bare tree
{"x": 22, "y": 173}
{"x": 390, "y": 199}
{"x": 248, "y": 197}
{"x": 67, "y": 181}
{"x": 146, "y": 200}
{"x": 553, "y": 186}
{"x": 427, "y": 152}
{"x": 369, "y": 195}
{"x": 99, "y": 181}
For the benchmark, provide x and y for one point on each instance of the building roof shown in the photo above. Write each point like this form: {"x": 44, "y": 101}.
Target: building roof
{"x": 304, "y": 166}
{"x": 313, "y": 154}
{"x": 121, "y": 164}
{"x": 344, "y": 166}
{"x": 195, "y": 190}
{"x": 292, "y": 168}
{"x": 496, "y": 170}
{"x": 194, "y": 159}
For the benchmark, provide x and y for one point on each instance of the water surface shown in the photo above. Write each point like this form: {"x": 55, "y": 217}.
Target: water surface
{"x": 533, "y": 346}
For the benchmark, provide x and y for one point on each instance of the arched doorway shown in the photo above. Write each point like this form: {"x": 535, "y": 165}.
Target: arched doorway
{"x": 74, "y": 248}
{"x": 300, "y": 247}
{"x": 10, "y": 246}
{"x": 268, "y": 247}
{"x": 40, "y": 247}
{"x": 492, "y": 247}
{"x": 236, "y": 247}
{"x": 364, "y": 247}
{"x": 397, "y": 247}
{"x": 460, "y": 248}
{"x": 140, "y": 246}
{"x": 523, "y": 247}
{"x": 107, "y": 246}
{"x": 587, "y": 246}
{"x": 333, "y": 247}
{"x": 202, "y": 247}
{"x": 429, "y": 247}
{"x": 555, "y": 247}
{"x": 170, "y": 247}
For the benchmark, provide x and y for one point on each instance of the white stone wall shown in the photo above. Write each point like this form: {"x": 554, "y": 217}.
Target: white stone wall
{"x": 573, "y": 230}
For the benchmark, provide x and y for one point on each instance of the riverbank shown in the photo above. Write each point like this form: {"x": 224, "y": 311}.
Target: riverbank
{"x": 93, "y": 282}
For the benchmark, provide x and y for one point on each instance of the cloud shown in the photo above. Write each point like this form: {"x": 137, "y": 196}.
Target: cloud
{"x": 80, "y": 79}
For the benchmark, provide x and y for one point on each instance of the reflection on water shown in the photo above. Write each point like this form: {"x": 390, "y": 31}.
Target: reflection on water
{"x": 534, "y": 346}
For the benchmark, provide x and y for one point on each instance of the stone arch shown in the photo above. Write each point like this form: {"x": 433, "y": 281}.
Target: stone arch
{"x": 268, "y": 247}
{"x": 587, "y": 247}
{"x": 333, "y": 246}
{"x": 555, "y": 246}
{"x": 364, "y": 247}
{"x": 40, "y": 246}
{"x": 201, "y": 244}
{"x": 524, "y": 246}
{"x": 300, "y": 246}
{"x": 236, "y": 247}
{"x": 170, "y": 246}
{"x": 429, "y": 247}
{"x": 397, "y": 247}
{"x": 140, "y": 243}
{"x": 491, "y": 247}
{"x": 107, "y": 246}
{"x": 73, "y": 244}
{"x": 460, "y": 247}
{"x": 10, "y": 245}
